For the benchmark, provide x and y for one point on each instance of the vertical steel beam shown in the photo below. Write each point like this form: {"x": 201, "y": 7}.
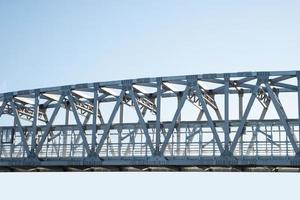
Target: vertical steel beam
{"x": 241, "y": 111}
{"x": 178, "y": 136}
{"x": 109, "y": 123}
{"x": 121, "y": 120}
{"x": 2, "y": 150}
{"x": 35, "y": 119}
{"x": 22, "y": 134}
{"x": 95, "y": 116}
{"x": 132, "y": 134}
{"x": 142, "y": 122}
{"x": 3, "y": 107}
{"x": 173, "y": 123}
{"x": 79, "y": 125}
{"x": 19, "y": 141}
{"x": 283, "y": 117}
{"x": 65, "y": 132}
{"x": 243, "y": 121}
{"x": 226, "y": 111}
{"x": 49, "y": 124}
{"x": 121, "y": 116}
{"x": 254, "y": 136}
{"x": 158, "y": 113}
{"x": 298, "y": 95}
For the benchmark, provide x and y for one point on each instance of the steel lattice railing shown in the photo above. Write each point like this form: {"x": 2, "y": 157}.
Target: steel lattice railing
{"x": 233, "y": 119}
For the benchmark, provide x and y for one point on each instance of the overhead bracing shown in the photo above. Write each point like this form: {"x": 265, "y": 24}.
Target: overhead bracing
{"x": 239, "y": 120}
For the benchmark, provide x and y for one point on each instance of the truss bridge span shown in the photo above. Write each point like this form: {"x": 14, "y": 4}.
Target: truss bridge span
{"x": 239, "y": 121}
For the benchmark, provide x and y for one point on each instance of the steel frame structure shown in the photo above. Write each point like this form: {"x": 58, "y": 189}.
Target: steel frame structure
{"x": 124, "y": 123}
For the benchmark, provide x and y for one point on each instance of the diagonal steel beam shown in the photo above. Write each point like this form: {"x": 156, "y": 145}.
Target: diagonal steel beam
{"x": 244, "y": 80}
{"x": 100, "y": 117}
{"x": 79, "y": 124}
{"x": 190, "y": 138}
{"x": 281, "y": 78}
{"x": 109, "y": 123}
{"x": 34, "y": 122}
{"x": 236, "y": 83}
{"x": 283, "y": 117}
{"x": 219, "y": 81}
{"x": 49, "y": 124}
{"x": 244, "y": 118}
{"x": 268, "y": 137}
{"x": 193, "y": 133}
{"x": 141, "y": 121}
{"x": 209, "y": 119}
{"x": 2, "y": 107}
{"x": 164, "y": 133}
{"x": 262, "y": 116}
{"x": 199, "y": 117}
{"x": 131, "y": 133}
{"x": 23, "y": 138}
{"x": 177, "y": 113}
{"x": 77, "y": 138}
{"x": 287, "y": 86}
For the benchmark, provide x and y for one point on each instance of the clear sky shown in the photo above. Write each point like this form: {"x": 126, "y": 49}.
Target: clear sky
{"x": 58, "y": 42}
{"x": 47, "y": 43}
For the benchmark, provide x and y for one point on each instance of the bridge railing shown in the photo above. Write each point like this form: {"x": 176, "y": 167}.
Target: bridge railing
{"x": 221, "y": 118}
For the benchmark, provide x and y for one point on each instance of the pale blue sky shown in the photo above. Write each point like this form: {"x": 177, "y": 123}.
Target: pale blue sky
{"x": 48, "y": 43}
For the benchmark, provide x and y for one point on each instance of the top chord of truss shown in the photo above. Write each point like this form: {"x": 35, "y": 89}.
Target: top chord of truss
{"x": 214, "y": 77}
{"x": 232, "y": 119}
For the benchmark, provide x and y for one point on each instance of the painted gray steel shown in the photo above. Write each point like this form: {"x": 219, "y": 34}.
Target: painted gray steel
{"x": 121, "y": 123}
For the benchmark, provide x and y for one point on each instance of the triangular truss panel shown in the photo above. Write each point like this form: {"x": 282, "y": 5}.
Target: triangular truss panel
{"x": 235, "y": 119}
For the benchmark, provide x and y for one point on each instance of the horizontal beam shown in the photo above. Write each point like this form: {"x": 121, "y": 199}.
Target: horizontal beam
{"x": 148, "y": 80}
{"x": 129, "y": 127}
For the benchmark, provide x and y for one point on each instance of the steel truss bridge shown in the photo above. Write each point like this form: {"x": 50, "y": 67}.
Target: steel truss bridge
{"x": 234, "y": 120}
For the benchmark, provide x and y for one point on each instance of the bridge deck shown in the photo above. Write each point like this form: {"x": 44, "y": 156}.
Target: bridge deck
{"x": 235, "y": 120}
